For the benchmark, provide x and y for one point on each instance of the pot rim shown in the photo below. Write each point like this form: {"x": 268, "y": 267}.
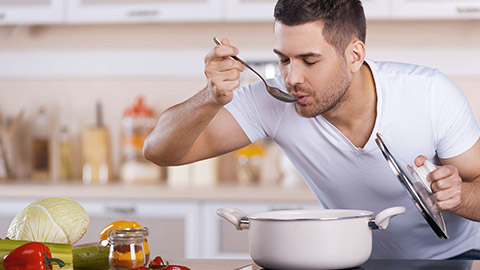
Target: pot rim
{"x": 290, "y": 215}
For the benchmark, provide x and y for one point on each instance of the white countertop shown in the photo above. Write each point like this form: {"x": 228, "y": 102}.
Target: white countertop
{"x": 157, "y": 192}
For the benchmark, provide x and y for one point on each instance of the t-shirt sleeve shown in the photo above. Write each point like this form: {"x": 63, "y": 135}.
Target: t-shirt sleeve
{"x": 243, "y": 108}
{"x": 453, "y": 120}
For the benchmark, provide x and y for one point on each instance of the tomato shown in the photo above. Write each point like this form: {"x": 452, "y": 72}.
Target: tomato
{"x": 158, "y": 263}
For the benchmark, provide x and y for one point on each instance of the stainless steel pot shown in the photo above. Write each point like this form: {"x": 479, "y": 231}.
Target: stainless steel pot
{"x": 310, "y": 239}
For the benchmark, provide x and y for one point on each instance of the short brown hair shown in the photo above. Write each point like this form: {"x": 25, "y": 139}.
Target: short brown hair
{"x": 343, "y": 19}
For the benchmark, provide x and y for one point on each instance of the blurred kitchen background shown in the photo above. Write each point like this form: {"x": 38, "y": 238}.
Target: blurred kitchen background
{"x": 82, "y": 82}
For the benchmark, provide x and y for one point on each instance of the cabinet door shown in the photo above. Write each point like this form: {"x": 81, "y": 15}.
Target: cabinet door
{"x": 376, "y": 9}
{"x": 9, "y": 208}
{"x": 31, "y": 11}
{"x": 249, "y": 10}
{"x": 262, "y": 10}
{"x": 434, "y": 9}
{"x": 138, "y": 11}
{"x": 221, "y": 239}
{"x": 174, "y": 230}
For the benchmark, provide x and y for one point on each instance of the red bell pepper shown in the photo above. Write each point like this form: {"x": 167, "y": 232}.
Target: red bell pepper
{"x": 30, "y": 256}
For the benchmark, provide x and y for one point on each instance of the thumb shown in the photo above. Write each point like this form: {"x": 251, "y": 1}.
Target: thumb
{"x": 225, "y": 41}
{"x": 420, "y": 160}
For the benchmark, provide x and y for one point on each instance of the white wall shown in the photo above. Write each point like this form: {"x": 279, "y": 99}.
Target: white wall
{"x": 46, "y": 65}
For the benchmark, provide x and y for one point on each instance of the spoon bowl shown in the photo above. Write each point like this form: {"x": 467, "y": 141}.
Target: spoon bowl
{"x": 273, "y": 91}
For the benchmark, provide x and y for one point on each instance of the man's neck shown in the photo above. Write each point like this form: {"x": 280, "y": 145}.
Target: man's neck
{"x": 355, "y": 117}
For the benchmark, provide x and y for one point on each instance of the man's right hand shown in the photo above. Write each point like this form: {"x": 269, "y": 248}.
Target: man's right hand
{"x": 222, "y": 72}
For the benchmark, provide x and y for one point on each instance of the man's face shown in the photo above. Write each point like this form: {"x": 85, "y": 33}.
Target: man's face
{"x": 311, "y": 68}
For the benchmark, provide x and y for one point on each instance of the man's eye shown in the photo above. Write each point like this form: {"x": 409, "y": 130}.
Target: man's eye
{"x": 284, "y": 61}
{"x": 309, "y": 63}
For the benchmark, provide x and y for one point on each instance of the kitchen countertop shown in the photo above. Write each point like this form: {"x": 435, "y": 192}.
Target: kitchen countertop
{"x": 225, "y": 264}
{"x": 157, "y": 192}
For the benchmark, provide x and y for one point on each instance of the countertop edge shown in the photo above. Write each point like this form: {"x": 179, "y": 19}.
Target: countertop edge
{"x": 157, "y": 192}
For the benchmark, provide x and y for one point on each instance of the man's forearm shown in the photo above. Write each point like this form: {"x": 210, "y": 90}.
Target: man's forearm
{"x": 177, "y": 129}
{"x": 470, "y": 205}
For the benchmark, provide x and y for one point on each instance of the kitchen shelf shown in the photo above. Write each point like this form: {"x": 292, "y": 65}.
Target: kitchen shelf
{"x": 160, "y": 192}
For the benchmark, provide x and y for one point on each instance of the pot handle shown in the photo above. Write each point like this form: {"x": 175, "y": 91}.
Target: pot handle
{"x": 235, "y": 216}
{"x": 382, "y": 219}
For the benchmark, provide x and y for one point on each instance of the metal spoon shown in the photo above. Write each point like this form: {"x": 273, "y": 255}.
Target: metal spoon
{"x": 275, "y": 92}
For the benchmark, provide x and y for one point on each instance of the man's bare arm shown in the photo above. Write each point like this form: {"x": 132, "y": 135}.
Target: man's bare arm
{"x": 200, "y": 127}
{"x": 192, "y": 131}
{"x": 468, "y": 166}
{"x": 456, "y": 184}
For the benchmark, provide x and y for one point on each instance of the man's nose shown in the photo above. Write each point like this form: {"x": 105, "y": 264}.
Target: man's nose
{"x": 294, "y": 75}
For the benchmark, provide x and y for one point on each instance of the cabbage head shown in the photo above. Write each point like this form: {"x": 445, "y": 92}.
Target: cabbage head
{"x": 54, "y": 220}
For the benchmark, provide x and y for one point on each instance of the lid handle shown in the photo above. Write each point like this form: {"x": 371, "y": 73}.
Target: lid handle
{"x": 423, "y": 171}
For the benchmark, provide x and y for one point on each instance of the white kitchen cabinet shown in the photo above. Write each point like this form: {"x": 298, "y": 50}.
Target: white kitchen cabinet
{"x": 248, "y": 10}
{"x": 262, "y": 10}
{"x": 434, "y": 9}
{"x": 142, "y": 11}
{"x": 8, "y": 210}
{"x": 183, "y": 222}
{"x": 174, "y": 226}
{"x": 222, "y": 240}
{"x": 376, "y": 9}
{"x": 31, "y": 12}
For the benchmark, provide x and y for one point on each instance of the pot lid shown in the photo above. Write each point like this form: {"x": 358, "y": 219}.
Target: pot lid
{"x": 414, "y": 181}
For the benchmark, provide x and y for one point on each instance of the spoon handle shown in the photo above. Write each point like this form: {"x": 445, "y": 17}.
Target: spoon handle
{"x": 241, "y": 61}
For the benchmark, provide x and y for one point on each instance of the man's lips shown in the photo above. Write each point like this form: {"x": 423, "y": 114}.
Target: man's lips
{"x": 302, "y": 98}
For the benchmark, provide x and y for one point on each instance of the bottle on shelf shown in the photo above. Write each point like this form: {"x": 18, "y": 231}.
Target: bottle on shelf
{"x": 138, "y": 121}
{"x": 41, "y": 148}
{"x": 96, "y": 151}
{"x": 65, "y": 171}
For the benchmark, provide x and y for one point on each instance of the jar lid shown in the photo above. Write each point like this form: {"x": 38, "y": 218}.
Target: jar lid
{"x": 126, "y": 237}
{"x": 143, "y": 231}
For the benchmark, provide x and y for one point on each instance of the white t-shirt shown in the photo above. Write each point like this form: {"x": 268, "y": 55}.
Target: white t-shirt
{"x": 419, "y": 111}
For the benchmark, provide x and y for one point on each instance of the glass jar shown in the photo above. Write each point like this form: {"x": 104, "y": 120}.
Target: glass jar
{"x": 140, "y": 231}
{"x": 249, "y": 163}
{"x": 126, "y": 251}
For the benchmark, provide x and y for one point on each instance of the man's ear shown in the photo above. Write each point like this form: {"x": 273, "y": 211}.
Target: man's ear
{"x": 355, "y": 55}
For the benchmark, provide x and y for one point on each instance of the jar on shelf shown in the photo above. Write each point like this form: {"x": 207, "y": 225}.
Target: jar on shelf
{"x": 126, "y": 251}
{"x": 249, "y": 161}
{"x": 138, "y": 121}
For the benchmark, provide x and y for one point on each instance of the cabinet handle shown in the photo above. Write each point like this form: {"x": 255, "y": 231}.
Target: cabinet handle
{"x": 143, "y": 13}
{"x": 120, "y": 210}
{"x": 470, "y": 10}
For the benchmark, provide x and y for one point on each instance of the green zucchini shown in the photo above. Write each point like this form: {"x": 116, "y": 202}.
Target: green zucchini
{"x": 89, "y": 257}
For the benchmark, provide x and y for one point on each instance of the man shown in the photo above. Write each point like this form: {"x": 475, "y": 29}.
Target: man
{"x": 343, "y": 101}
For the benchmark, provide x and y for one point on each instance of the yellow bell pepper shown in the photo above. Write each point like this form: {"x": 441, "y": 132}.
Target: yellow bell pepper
{"x": 119, "y": 224}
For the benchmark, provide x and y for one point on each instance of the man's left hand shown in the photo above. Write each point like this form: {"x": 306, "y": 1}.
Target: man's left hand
{"x": 446, "y": 185}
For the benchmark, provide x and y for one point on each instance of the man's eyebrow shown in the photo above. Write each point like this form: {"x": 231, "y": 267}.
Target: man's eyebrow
{"x": 303, "y": 55}
{"x": 279, "y": 53}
